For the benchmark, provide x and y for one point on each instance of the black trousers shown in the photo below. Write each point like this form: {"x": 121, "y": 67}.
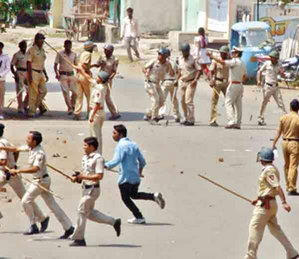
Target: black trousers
{"x": 130, "y": 191}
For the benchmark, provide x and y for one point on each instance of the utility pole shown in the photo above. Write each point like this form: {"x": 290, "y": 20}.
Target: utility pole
{"x": 258, "y": 10}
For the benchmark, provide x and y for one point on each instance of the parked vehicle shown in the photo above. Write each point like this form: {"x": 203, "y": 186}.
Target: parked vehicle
{"x": 290, "y": 70}
{"x": 255, "y": 39}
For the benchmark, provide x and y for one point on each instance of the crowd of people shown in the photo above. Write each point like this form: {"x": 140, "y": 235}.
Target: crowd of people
{"x": 164, "y": 76}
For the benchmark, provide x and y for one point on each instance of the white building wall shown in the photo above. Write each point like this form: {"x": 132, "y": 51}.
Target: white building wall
{"x": 156, "y": 15}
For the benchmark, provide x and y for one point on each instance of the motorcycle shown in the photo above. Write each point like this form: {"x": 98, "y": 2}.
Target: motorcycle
{"x": 289, "y": 70}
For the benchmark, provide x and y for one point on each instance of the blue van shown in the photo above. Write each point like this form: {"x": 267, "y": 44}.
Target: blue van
{"x": 255, "y": 39}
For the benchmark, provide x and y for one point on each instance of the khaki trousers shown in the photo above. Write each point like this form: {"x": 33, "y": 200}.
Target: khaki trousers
{"x": 169, "y": 88}
{"x": 37, "y": 92}
{"x": 83, "y": 88}
{"x": 186, "y": 98}
{"x": 131, "y": 43}
{"x": 33, "y": 192}
{"x": 233, "y": 103}
{"x": 219, "y": 88}
{"x": 69, "y": 91}
{"x": 268, "y": 92}
{"x": 2, "y": 93}
{"x": 291, "y": 158}
{"x": 86, "y": 211}
{"x": 17, "y": 185}
{"x": 155, "y": 93}
{"x": 19, "y": 86}
{"x": 260, "y": 219}
{"x": 95, "y": 128}
{"x": 109, "y": 101}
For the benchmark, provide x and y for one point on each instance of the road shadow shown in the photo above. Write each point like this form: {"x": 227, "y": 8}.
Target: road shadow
{"x": 118, "y": 246}
{"x": 4, "y": 257}
{"x": 152, "y": 224}
{"x": 12, "y": 114}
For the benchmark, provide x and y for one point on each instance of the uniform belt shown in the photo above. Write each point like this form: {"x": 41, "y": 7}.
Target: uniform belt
{"x": 169, "y": 79}
{"x": 271, "y": 84}
{"x": 21, "y": 69}
{"x": 38, "y": 71}
{"x": 189, "y": 80}
{"x": 65, "y": 73}
{"x": 290, "y": 139}
{"x": 44, "y": 176}
{"x": 89, "y": 186}
{"x": 219, "y": 79}
{"x": 265, "y": 201}
{"x": 236, "y": 82}
{"x": 149, "y": 81}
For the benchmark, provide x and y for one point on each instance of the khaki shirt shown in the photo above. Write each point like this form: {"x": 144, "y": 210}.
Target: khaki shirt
{"x": 11, "y": 163}
{"x": 220, "y": 71}
{"x": 98, "y": 95}
{"x": 37, "y": 157}
{"x": 92, "y": 164}
{"x": 174, "y": 67}
{"x": 85, "y": 58}
{"x": 237, "y": 69}
{"x": 63, "y": 65}
{"x": 269, "y": 181}
{"x": 289, "y": 125}
{"x": 110, "y": 64}
{"x": 19, "y": 60}
{"x": 158, "y": 70}
{"x": 188, "y": 67}
{"x": 271, "y": 72}
{"x": 37, "y": 57}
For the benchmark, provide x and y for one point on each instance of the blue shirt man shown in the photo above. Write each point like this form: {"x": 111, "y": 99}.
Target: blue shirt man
{"x": 130, "y": 159}
{"x": 132, "y": 162}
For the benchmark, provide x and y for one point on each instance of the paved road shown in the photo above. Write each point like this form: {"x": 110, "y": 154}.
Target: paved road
{"x": 199, "y": 221}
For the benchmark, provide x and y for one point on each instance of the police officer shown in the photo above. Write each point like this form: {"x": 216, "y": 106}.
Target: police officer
{"x": 219, "y": 83}
{"x": 91, "y": 175}
{"x": 83, "y": 86}
{"x": 266, "y": 208}
{"x": 109, "y": 64}
{"x": 8, "y": 159}
{"x": 169, "y": 86}
{"x": 37, "y": 75}
{"x": 19, "y": 63}
{"x": 97, "y": 104}
{"x": 188, "y": 75}
{"x": 38, "y": 168}
{"x": 65, "y": 74}
{"x": 270, "y": 89}
{"x": 289, "y": 130}
{"x": 155, "y": 71}
{"x": 234, "y": 93}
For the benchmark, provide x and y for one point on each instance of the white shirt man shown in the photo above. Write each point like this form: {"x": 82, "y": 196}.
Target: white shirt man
{"x": 130, "y": 34}
{"x": 4, "y": 69}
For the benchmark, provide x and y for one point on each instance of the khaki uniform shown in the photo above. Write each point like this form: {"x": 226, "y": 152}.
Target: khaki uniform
{"x": 98, "y": 95}
{"x": 15, "y": 182}
{"x": 153, "y": 86}
{"x": 37, "y": 157}
{"x": 289, "y": 126}
{"x": 168, "y": 87}
{"x": 189, "y": 68}
{"x": 270, "y": 88}
{"x": 68, "y": 80}
{"x": 221, "y": 84}
{"x": 110, "y": 66}
{"x": 262, "y": 217}
{"x": 234, "y": 93}
{"x": 92, "y": 164}
{"x": 37, "y": 89}
{"x": 20, "y": 62}
{"x": 83, "y": 86}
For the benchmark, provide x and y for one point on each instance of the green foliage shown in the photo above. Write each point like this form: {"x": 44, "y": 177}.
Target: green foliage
{"x": 11, "y": 8}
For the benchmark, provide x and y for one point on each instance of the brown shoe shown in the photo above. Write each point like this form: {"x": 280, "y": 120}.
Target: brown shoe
{"x": 236, "y": 126}
{"x": 230, "y": 126}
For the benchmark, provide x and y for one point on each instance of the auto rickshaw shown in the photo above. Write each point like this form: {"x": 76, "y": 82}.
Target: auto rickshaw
{"x": 255, "y": 39}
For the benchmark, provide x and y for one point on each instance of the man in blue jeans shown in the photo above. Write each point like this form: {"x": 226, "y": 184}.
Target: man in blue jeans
{"x": 132, "y": 162}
